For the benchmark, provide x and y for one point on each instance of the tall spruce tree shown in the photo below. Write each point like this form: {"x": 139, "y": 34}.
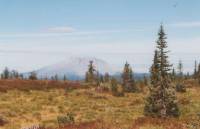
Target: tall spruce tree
{"x": 90, "y": 74}
{"x": 173, "y": 75}
{"x": 56, "y": 77}
{"x": 97, "y": 78}
{"x": 126, "y": 72}
{"x": 195, "y": 70}
{"x": 180, "y": 69}
{"x": 128, "y": 79}
{"x": 145, "y": 80}
{"x": 180, "y": 87}
{"x": 161, "y": 101}
{"x": 5, "y": 74}
{"x": 64, "y": 78}
{"x": 33, "y": 76}
{"x": 198, "y": 74}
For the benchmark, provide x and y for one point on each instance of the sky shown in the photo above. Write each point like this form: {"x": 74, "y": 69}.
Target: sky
{"x": 37, "y": 33}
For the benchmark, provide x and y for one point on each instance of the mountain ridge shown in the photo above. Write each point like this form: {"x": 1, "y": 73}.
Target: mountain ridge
{"x": 75, "y": 68}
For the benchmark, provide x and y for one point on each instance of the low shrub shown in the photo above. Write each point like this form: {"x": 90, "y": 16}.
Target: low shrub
{"x": 27, "y": 85}
{"x": 180, "y": 88}
{"x": 3, "y": 121}
{"x": 66, "y": 119}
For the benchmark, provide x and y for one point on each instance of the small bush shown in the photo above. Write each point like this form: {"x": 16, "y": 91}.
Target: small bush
{"x": 116, "y": 89}
{"x": 180, "y": 88}
{"x": 3, "y": 121}
{"x": 194, "y": 123}
{"x": 64, "y": 120}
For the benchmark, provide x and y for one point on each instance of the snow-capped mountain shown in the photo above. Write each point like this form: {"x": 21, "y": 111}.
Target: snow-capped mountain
{"x": 75, "y": 68}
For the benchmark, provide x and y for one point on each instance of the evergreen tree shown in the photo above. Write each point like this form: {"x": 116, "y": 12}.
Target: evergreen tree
{"x": 114, "y": 86}
{"x": 126, "y": 72}
{"x": 33, "y": 76}
{"x": 21, "y": 76}
{"x": 56, "y": 77}
{"x": 198, "y": 74}
{"x": 90, "y": 75}
{"x": 187, "y": 76}
{"x": 145, "y": 80}
{"x": 128, "y": 79}
{"x": 97, "y": 79}
{"x": 161, "y": 101}
{"x": 116, "y": 91}
{"x": 180, "y": 69}
{"x": 91, "y": 71}
{"x": 64, "y": 78}
{"x": 52, "y": 78}
{"x": 5, "y": 74}
{"x": 195, "y": 70}
{"x": 173, "y": 75}
{"x": 180, "y": 87}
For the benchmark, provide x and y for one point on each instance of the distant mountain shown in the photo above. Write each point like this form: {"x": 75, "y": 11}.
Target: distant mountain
{"x": 75, "y": 68}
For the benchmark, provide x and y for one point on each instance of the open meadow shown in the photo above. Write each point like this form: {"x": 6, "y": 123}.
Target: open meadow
{"x": 90, "y": 108}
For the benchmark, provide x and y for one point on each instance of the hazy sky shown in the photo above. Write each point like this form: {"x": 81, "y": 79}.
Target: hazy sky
{"x": 36, "y": 33}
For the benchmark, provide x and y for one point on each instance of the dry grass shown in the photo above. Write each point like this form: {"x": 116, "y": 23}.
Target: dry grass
{"x": 27, "y": 85}
{"x": 92, "y": 110}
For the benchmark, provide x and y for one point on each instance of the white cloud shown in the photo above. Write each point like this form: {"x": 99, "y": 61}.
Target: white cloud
{"x": 186, "y": 24}
{"x": 61, "y": 29}
{"x": 64, "y": 31}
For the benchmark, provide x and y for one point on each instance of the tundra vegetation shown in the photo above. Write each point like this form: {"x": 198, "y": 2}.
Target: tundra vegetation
{"x": 167, "y": 99}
